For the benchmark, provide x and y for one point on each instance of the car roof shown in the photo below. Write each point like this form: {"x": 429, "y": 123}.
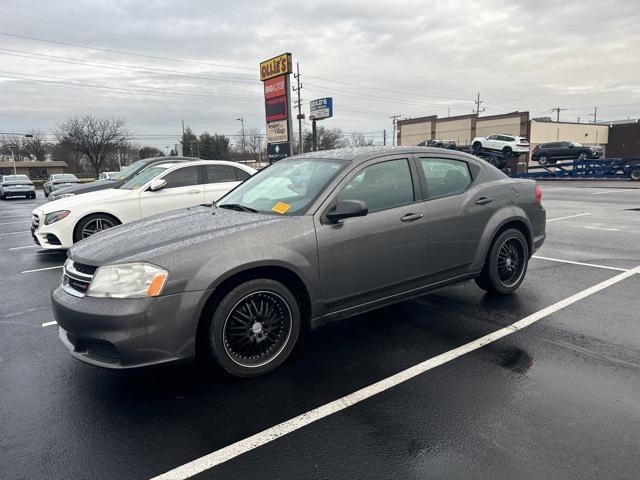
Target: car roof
{"x": 362, "y": 154}
{"x": 171, "y": 163}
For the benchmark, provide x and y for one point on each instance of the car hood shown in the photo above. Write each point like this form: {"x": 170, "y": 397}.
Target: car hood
{"x": 88, "y": 187}
{"x": 90, "y": 197}
{"x": 166, "y": 233}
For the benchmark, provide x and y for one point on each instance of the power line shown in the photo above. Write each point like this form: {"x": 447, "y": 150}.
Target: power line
{"x": 123, "y": 52}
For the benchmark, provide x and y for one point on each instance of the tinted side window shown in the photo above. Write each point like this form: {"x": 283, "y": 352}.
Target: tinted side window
{"x": 445, "y": 176}
{"x": 220, "y": 173}
{"x": 183, "y": 177}
{"x": 241, "y": 175}
{"x": 381, "y": 186}
{"x": 504, "y": 138}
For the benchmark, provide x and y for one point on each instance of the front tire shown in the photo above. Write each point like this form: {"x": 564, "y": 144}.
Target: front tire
{"x": 254, "y": 328}
{"x": 506, "y": 263}
{"x": 92, "y": 224}
{"x": 477, "y": 146}
{"x": 583, "y": 156}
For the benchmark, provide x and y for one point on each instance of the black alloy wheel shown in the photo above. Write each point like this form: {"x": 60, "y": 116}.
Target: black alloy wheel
{"x": 511, "y": 261}
{"x": 254, "y": 328}
{"x": 583, "y": 156}
{"x": 506, "y": 263}
{"x": 543, "y": 160}
{"x": 257, "y": 328}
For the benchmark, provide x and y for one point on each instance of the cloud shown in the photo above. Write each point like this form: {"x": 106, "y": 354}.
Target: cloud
{"x": 198, "y": 60}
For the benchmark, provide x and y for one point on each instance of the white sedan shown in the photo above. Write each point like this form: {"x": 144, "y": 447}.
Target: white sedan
{"x": 157, "y": 189}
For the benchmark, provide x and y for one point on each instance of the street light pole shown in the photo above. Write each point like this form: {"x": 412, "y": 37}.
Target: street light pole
{"x": 241, "y": 120}
{"x": 13, "y": 156}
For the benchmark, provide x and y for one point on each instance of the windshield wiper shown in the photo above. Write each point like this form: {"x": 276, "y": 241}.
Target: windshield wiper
{"x": 238, "y": 207}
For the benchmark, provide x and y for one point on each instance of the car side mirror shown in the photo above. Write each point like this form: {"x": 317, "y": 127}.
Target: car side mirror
{"x": 347, "y": 209}
{"x": 157, "y": 184}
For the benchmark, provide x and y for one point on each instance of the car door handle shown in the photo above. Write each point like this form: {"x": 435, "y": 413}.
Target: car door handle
{"x": 484, "y": 200}
{"x": 193, "y": 192}
{"x": 410, "y": 217}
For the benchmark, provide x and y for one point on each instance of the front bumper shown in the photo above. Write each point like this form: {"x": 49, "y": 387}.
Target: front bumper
{"x": 129, "y": 333}
{"x": 57, "y": 236}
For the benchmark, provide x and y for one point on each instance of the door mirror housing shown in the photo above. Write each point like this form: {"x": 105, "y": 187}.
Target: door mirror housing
{"x": 157, "y": 184}
{"x": 347, "y": 209}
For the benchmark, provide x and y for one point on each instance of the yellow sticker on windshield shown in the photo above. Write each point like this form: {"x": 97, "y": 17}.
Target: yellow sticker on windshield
{"x": 281, "y": 208}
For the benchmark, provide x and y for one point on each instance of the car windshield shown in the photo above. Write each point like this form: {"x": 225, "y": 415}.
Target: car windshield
{"x": 143, "y": 177}
{"x": 286, "y": 187}
{"x": 576, "y": 144}
{"x": 66, "y": 176}
{"x": 127, "y": 171}
{"x": 16, "y": 178}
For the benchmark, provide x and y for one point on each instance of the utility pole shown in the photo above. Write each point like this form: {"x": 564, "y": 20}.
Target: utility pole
{"x": 13, "y": 156}
{"x": 557, "y": 110}
{"x": 242, "y": 142}
{"x": 478, "y": 102}
{"x": 394, "y": 122}
{"x": 119, "y": 160}
{"x": 300, "y": 116}
{"x": 594, "y": 114}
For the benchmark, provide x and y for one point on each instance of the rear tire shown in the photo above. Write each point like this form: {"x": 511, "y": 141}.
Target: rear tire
{"x": 506, "y": 264}
{"x": 635, "y": 174}
{"x": 507, "y": 152}
{"x": 254, "y": 328}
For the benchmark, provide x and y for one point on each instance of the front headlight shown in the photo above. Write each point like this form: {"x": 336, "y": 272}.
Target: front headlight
{"x": 129, "y": 280}
{"x": 54, "y": 217}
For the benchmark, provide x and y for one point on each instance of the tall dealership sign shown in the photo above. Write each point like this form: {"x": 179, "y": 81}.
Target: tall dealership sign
{"x": 274, "y": 74}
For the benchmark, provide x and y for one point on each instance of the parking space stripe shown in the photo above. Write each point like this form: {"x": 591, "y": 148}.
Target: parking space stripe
{"x": 41, "y": 269}
{"x": 580, "y": 263}
{"x": 234, "y": 450}
{"x": 21, "y": 248}
{"x": 564, "y": 218}
{"x": 12, "y": 223}
{"x": 48, "y": 324}
{"x": 13, "y": 233}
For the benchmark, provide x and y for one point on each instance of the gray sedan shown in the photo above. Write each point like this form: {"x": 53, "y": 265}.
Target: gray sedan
{"x": 311, "y": 239}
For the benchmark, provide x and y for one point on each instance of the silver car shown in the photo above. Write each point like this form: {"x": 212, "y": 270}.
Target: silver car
{"x": 16, "y": 186}
{"x": 311, "y": 239}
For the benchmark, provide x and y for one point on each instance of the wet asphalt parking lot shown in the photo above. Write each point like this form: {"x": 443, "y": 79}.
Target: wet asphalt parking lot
{"x": 461, "y": 384}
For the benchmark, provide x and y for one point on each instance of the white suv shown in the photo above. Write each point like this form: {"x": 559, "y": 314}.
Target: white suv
{"x": 507, "y": 144}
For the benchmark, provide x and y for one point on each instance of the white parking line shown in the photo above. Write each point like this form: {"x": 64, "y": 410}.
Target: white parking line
{"x": 48, "y": 324}
{"x": 592, "y": 227}
{"x": 564, "y": 218}
{"x": 13, "y": 233}
{"x": 41, "y": 269}
{"x": 22, "y": 248}
{"x": 234, "y": 450}
{"x": 13, "y": 223}
{"x": 580, "y": 263}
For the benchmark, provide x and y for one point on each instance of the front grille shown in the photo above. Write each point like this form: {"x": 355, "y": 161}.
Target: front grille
{"x": 77, "y": 278}
{"x": 86, "y": 269}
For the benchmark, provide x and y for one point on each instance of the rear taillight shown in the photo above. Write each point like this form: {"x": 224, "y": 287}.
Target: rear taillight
{"x": 538, "y": 195}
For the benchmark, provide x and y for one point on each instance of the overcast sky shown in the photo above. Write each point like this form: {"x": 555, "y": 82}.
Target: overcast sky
{"x": 156, "y": 63}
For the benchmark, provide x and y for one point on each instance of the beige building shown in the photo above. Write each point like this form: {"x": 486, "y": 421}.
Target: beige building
{"x": 33, "y": 169}
{"x": 462, "y": 128}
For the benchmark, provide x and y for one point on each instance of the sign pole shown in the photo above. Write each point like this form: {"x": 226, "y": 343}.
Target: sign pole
{"x": 314, "y": 135}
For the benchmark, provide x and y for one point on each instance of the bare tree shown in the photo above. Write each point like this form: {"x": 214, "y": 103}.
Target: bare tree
{"x": 98, "y": 139}
{"x": 328, "y": 138}
{"x": 254, "y": 141}
{"x": 359, "y": 140}
{"x": 34, "y": 146}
